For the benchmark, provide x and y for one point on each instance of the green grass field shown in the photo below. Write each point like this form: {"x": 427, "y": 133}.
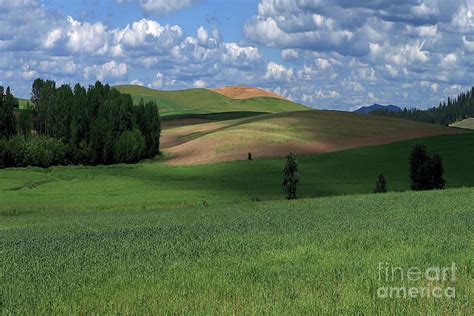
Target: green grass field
{"x": 467, "y": 123}
{"x": 154, "y": 184}
{"x": 202, "y": 101}
{"x": 317, "y": 256}
{"x": 152, "y": 238}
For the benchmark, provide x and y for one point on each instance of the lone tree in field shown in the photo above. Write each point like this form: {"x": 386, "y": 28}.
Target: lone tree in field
{"x": 426, "y": 171}
{"x": 290, "y": 176}
{"x": 381, "y": 184}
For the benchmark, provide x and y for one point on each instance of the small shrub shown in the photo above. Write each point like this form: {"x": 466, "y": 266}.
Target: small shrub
{"x": 44, "y": 152}
{"x": 381, "y": 184}
{"x": 255, "y": 198}
{"x": 38, "y": 151}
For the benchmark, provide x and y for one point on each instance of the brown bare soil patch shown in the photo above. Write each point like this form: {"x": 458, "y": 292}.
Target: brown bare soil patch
{"x": 242, "y": 92}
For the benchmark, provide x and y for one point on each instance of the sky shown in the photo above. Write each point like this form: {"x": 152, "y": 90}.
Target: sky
{"x": 329, "y": 54}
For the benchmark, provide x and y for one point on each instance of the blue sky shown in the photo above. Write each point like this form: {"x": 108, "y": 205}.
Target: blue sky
{"x": 335, "y": 54}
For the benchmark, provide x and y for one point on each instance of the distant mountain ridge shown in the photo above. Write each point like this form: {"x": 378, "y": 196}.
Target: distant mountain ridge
{"x": 376, "y": 107}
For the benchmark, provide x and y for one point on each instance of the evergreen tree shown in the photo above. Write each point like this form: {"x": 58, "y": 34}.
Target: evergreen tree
{"x": 419, "y": 168}
{"x": 426, "y": 171}
{"x": 437, "y": 171}
{"x": 291, "y": 176}
{"x": 446, "y": 113}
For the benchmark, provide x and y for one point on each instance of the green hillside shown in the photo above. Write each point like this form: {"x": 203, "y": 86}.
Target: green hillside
{"x": 317, "y": 256}
{"x": 154, "y": 184}
{"x": 23, "y": 103}
{"x": 201, "y": 101}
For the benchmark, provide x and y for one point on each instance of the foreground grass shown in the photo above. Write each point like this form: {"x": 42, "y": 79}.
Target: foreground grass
{"x": 156, "y": 185}
{"x": 306, "y": 256}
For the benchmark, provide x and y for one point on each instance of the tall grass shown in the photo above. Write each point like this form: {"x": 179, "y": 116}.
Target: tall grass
{"x": 309, "y": 256}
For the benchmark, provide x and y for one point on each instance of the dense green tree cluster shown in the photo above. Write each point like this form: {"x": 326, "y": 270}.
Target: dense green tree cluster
{"x": 448, "y": 112}
{"x": 98, "y": 125}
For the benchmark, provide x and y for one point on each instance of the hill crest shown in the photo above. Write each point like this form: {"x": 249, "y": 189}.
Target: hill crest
{"x": 202, "y": 101}
{"x": 245, "y": 92}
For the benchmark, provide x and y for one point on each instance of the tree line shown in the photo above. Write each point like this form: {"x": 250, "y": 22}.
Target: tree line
{"x": 64, "y": 125}
{"x": 448, "y": 112}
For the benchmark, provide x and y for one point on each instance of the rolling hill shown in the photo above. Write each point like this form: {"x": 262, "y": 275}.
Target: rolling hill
{"x": 202, "y": 101}
{"x": 242, "y": 92}
{"x": 466, "y": 124}
{"x": 272, "y": 135}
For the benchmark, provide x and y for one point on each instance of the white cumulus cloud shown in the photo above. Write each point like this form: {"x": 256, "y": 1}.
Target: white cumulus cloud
{"x": 277, "y": 72}
{"x": 110, "y": 70}
{"x": 199, "y": 84}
